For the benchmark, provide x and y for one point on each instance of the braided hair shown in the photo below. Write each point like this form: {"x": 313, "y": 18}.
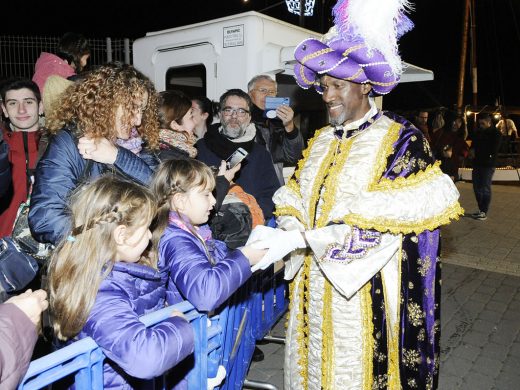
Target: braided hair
{"x": 84, "y": 258}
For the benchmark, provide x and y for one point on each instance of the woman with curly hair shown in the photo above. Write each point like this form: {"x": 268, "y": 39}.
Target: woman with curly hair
{"x": 106, "y": 118}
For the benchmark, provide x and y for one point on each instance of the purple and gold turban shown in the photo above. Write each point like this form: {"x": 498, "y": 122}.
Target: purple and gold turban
{"x": 357, "y": 48}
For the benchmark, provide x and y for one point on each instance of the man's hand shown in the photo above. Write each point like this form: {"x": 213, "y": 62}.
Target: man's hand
{"x": 31, "y": 303}
{"x": 286, "y": 115}
{"x": 229, "y": 174}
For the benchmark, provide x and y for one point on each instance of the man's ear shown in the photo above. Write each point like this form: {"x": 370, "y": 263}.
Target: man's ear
{"x": 40, "y": 108}
{"x": 119, "y": 234}
{"x": 366, "y": 88}
{"x": 4, "y": 110}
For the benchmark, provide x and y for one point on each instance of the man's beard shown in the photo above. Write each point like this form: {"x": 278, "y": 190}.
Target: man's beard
{"x": 233, "y": 132}
{"x": 338, "y": 120}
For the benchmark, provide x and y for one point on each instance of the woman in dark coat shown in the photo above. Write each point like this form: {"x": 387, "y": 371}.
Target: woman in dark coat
{"x": 109, "y": 118}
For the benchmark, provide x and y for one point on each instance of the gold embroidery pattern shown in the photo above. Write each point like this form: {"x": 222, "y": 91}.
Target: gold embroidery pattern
{"x": 429, "y": 382}
{"x": 331, "y": 182}
{"x": 351, "y": 49}
{"x": 327, "y": 339}
{"x": 291, "y": 211}
{"x": 424, "y": 265}
{"x": 302, "y": 330}
{"x": 383, "y": 225}
{"x": 294, "y": 187}
{"x": 411, "y": 358}
{"x": 316, "y": 187}
{"x": 412, "y": 383}
{"x": 316, "y": 54}
{"x": 422, "y": 177}
{"x": 368, "y": 340}
{"x": 380, "y": 382}
{"x": 394, "y": 377}
{"x": 415, "y": 314}
{"x": 385, "y": 150}
{"x": 305, "y": 154}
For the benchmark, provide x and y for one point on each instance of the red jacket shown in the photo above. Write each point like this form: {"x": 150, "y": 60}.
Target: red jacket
{"x": 17, "y": 194}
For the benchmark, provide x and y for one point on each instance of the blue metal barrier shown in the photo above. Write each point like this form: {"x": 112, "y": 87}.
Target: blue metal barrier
{"x": 84, "y": 359}
{"x": 270, "y": 300}
{"x": 227, "y": 339}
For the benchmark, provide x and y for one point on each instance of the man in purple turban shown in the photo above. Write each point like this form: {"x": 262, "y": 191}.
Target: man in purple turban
{"x": 360, "y": 218}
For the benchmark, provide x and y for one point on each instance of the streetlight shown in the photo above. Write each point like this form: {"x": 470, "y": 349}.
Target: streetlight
{"x": 297, "y": 7}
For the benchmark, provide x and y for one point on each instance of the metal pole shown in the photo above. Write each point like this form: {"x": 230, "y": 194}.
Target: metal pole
{"x": 302, "y": 10}
{"x": 463, "y": 55}
{"x": 474, "y": 53}
{"x": 109, "y": 49}
{"x": 126, "y": 43}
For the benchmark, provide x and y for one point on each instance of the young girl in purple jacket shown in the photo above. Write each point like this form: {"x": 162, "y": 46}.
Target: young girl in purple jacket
{"x": 100, "y": 283}
{"x": 194, "y": 266}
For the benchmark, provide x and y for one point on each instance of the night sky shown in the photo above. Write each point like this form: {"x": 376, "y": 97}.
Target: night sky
{"x": 433, "y": 44}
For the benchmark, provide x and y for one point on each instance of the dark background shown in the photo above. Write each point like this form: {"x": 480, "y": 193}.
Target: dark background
{"x": 433, "y": 44}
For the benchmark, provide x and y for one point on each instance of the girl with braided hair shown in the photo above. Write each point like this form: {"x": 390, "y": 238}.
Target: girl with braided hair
{"x": 196, "y": 266}
{"x": 100, "y": 283}
{"x": 193, "y": 265}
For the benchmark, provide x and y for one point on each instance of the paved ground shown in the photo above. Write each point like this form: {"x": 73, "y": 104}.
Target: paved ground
{"x": 480, "y": 309}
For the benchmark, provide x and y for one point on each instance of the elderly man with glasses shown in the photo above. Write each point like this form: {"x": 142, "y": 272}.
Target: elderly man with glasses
{"x": 279, "y": 135}
{"x": 235, "y": 130}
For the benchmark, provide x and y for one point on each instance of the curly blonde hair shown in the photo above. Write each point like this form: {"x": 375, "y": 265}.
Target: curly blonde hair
{"x": 92, "y": 103}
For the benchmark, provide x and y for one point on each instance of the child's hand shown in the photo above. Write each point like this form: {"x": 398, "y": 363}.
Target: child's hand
{"x": 177, "y": 313}
{"x": 253, "y": 255}
{"x": 229, "y": 174}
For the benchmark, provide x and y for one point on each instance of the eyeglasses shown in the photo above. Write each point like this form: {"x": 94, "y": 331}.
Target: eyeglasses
{"x": 240, "y": 112}
{"x": 265, "y": 91}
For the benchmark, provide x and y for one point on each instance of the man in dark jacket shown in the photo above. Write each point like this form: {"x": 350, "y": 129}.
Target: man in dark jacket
{"x": 257, "y": 175}
{"x": 486, "y": 143}
{"x": 280, "y": 136}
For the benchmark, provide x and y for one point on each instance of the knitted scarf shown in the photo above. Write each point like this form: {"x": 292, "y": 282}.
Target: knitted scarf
{"x": 223, "y": 147}
{"x": 176, "y": 139}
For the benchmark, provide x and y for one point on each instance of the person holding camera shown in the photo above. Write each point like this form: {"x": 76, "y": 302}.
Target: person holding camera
{"x": 257, "y": 175}
{"x": 279, "y": 135}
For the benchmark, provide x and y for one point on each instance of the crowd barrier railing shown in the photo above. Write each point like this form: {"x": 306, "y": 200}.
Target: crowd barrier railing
{"x": 225, "y": 339}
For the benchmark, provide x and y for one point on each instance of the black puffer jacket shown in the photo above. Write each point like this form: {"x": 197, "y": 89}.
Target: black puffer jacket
{"x": 285, "y": 148}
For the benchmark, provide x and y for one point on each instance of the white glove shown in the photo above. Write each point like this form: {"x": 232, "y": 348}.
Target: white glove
{"x": 217, "y": 381}
{"x": 279, "y": 244}
{"x": 261, "y": 232}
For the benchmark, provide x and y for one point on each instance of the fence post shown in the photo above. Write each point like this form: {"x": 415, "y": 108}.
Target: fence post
{"x": 109, "y": 49}
{"x": 127, "y": 50}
